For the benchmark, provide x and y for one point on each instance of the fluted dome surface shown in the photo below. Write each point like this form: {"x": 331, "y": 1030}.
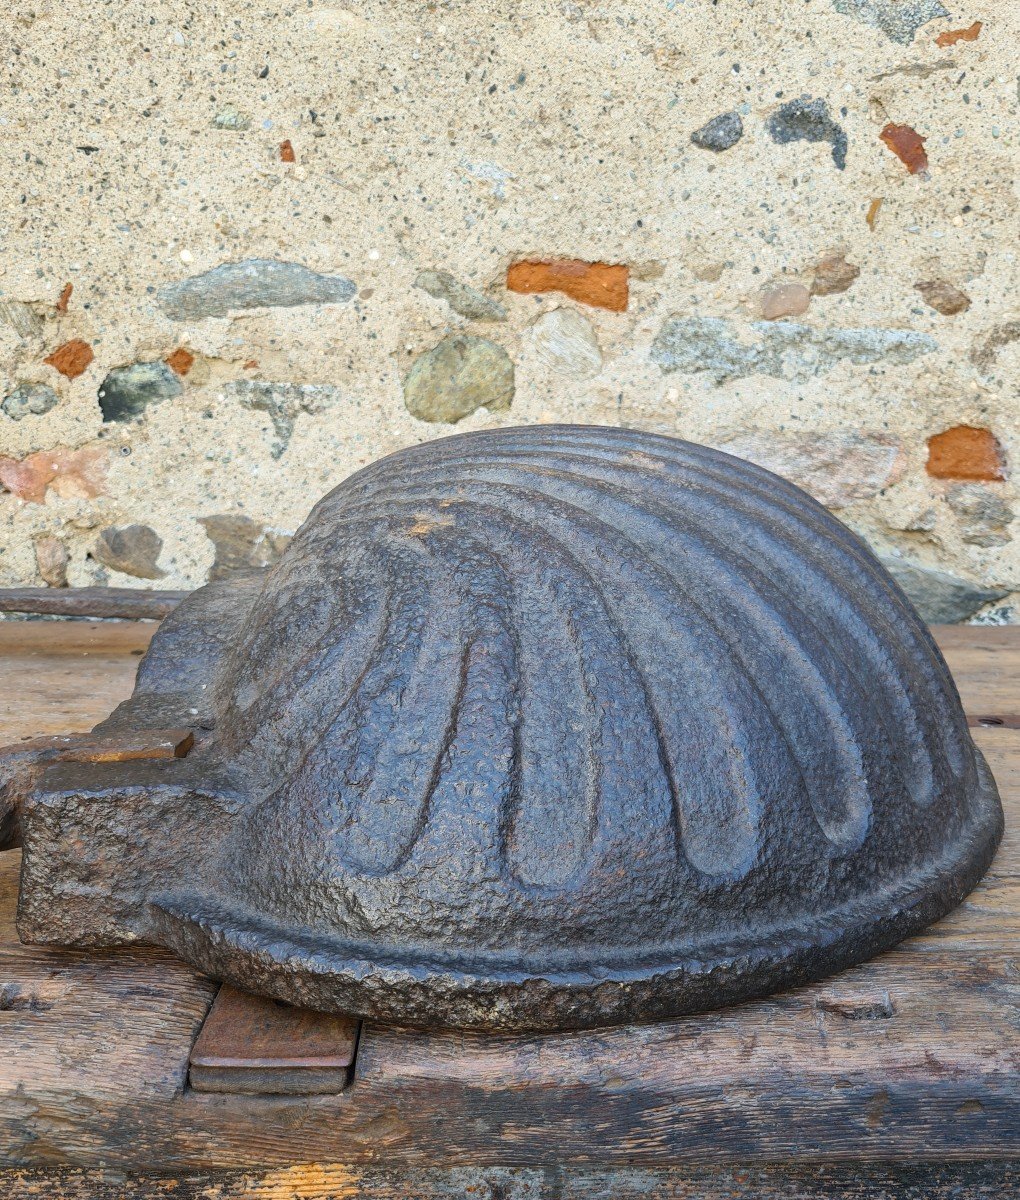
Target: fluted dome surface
{"x": 570, "y": 725}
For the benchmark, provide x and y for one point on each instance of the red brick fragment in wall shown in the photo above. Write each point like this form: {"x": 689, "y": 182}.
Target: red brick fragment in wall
{"x": 602, "y": 285}
{"x": 965, "y": 452}
{"x": 65, "y": 297}
{"x": 71, "y": 359}
{"x": 908, "y": 146}
{"x": 181, "y": 361}
{"x": 952, "y": 36}
{"x": 287, "y": 152}
{"x": 72, "y": 474}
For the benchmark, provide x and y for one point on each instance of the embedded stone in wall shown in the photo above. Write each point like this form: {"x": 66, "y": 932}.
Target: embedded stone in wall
{"x": 897, "y": 19}
{"x": 132, "y": 550}
{"x": 231, "y": 118}
{"x": 943, "y": 297}
{"x": 602, "y": 285}
{"x": 72, "y": 474}
{"x": 838, "y": 469}
{"x": 457, "y": 377}
{"x": 71, "y": 359}
{"x": 939, "y": 597}
{"x": 721, "y": 133}
{"x": 985, "y": 351}
{"x": 29, "y": 400}
{"x": 180, "y": 361}
{"x": 783, "y": 300}
{"x": 284, "y": 402}
{"x": 966, "y": 452}
{"x": 706, "y": 270}
{"x": 565, "y": 341}
{"x": 466, "y": 301}
{"x": 241, "y": 544}
{"x": 951, "y": 36}
{"x": 832, "y": 275}
{"x": 128, "y": 391}
{"x": 908, "y": 146}
{"x": 783, "y": 349}
{"x": 251, "y": 283}
{"x": 983, "y": 517}
{"x": 51, "y": 559}
{"x": 22, "y": 318}
{"x": 807, "y": 120}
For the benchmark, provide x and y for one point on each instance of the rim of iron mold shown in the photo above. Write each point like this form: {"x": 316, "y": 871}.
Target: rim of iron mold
{"x": 331, "y": 976}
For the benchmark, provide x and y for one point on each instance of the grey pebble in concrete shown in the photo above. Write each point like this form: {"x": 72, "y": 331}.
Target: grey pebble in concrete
{"x": 252, "y": 283}
{"x": 466, "y": 301}
{"x": 783, "y": 349}
{"x": 899, "y": 20}
{"x": 939, "y": 597}
{"x": 128, "y": 391}
{"x": 283, "y": 402}
{"x": 29, "y": 399}
{"x": 807, "y": 120}
{"x": 721, "y": 133}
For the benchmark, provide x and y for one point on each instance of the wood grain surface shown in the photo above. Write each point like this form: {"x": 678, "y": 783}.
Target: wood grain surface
{"x": 985, "y": 661}
{"x": 913, "y": 1059}
{"x": 338, "y": 1181}
{"x": 65, "y": 676}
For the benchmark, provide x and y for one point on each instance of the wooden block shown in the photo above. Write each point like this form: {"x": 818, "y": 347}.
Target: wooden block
{"x": 256, "y": 1046}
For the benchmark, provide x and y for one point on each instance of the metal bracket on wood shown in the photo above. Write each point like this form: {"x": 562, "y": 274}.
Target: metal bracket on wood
{"x": 254, "y": 1046}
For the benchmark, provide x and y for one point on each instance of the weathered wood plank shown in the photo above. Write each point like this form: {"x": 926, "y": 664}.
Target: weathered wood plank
{"x": 331, "y": 1181}
{"x": 62, "y": 639}
{"x": 985, "y": 662}
{"x": 65, "y": 676}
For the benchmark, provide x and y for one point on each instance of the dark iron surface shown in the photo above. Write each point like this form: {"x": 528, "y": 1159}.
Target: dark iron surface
{"x": 530, "y": 729}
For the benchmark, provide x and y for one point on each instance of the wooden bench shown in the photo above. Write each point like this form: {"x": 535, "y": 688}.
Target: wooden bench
{"x": 898, "y": 1078}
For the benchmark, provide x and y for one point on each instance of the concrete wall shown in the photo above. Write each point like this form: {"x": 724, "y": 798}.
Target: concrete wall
{"x": 792, "y": 281}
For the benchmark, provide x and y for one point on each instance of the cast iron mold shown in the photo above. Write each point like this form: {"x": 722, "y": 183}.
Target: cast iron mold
{"x": 531, "y": 729}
